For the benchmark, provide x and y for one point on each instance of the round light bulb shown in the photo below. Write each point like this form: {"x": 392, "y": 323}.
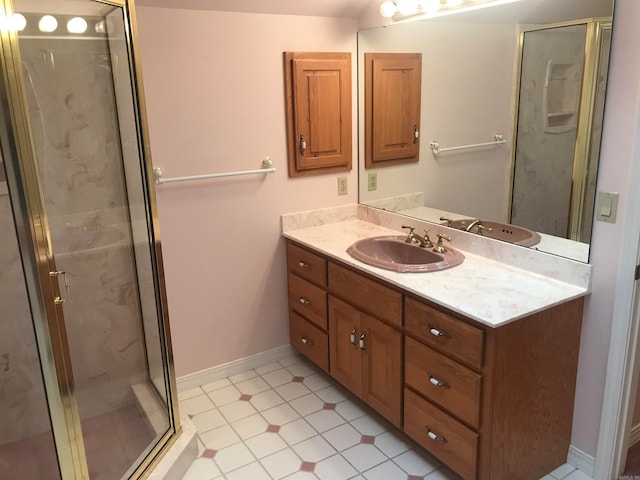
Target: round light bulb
{"x": 454, "y": 3}
{"x": 48, "y": 23}
{"x": 101, "y": 27}
{"x": 387, "y": 9}
{"x": 19, "y": 22}
{"x": 408, "y": 7}
{"x": 77, "y": 25}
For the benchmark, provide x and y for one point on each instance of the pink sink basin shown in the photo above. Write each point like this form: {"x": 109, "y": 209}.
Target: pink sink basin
{"x": 502, "y": 231}
{"x": 392, "y": 253}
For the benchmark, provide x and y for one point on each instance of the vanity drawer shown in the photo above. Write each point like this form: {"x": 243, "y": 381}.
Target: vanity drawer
{"x": 445, "y": 333}
{"x": 308, "y": 300}
{"x": 365, "y": 294}
{"x": 446, "y": 382}
{"x": 306, "y": 264}
{"x": 452, "y": 442}
{"x": 309, "y": 340}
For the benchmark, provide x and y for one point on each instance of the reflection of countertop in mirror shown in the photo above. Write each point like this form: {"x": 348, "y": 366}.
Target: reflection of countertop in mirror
{"x": 548, "y": 243}
{"x": 489, "y": 291}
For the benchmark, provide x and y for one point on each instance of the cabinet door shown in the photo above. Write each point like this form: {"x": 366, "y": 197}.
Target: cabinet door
{"x": 319, "y": 112}
{"x": 381, "y": 368}
{"x": 392, "y": 108}
{"x": 344, "y": 351}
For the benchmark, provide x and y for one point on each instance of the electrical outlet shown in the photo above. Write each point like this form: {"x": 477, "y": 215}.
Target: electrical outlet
{"x": 343, "y": 186}
{"x": 372, "y": 181}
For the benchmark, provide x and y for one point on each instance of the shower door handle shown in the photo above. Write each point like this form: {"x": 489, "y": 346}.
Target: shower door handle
{"x": 59, "y": 300}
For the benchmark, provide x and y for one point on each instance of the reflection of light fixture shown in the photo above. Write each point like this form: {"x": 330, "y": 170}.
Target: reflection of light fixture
{"x": 399, "y": 9}
{"x": 19, "y": 22}
{"x": 77, "y": 25}
{"x": 101, "y": 27}
{"x": 48, "y": 23}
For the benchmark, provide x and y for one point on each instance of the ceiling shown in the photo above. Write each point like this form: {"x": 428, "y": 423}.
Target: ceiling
{"x": 320, "y": 8}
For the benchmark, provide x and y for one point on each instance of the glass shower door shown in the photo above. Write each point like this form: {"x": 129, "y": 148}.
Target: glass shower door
{"x": 97, "y": 216}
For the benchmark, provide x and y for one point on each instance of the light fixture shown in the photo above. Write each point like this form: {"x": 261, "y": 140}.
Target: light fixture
{"x": 48, "y": 23}
{"x": 416, "y": 9}
{"x": 77, "y": 25}
{"x": 101, "y": 27}
{"x": 19, "y": 22}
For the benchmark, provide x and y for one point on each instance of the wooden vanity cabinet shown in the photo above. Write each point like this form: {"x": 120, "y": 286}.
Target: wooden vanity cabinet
{"x": 365, "y": 355}
{"x": 490, "y": 403}
{"x": 307, "y": 280}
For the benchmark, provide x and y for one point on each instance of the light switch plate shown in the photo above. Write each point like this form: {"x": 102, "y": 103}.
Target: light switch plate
{"x": 607, "y": 207}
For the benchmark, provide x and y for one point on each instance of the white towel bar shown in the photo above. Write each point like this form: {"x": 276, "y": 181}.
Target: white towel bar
{"x": 267, "y": 167}
{"x": 498, "y": 139}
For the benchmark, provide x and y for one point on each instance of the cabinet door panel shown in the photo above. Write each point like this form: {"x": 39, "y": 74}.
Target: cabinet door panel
{"x": 344, "y": 352}
{"x": 382, "y": 373}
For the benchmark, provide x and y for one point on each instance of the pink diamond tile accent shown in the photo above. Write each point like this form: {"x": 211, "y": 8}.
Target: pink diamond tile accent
{"x": 367, "y": 439}
{"x": 245, "y": 398}
{"x": 307, "y": 466}
{"x": 297, "y": 379}
{"x": 273, "y": 428}
{"x": 329, "y": 406}
{"x": 208, "y": 453}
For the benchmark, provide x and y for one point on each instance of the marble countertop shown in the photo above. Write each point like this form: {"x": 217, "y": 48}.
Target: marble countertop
{"x": 485, "y": 290}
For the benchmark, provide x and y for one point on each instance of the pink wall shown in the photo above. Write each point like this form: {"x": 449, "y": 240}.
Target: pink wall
{"x": 215, "y": 102}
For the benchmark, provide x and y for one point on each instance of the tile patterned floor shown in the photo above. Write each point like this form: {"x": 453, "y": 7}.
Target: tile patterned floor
{"x": 288, "y": 420}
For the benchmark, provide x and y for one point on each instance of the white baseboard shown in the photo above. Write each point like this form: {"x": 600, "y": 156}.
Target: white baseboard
{"x": 212, "y": 374}
{"x": 583, "y": 462}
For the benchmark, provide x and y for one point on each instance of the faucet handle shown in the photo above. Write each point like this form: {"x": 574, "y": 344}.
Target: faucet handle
{"x": 481, "y": 228}
{"x": 440, "y": 247}
{"x": 448, "y": 220}
{"x": 411, "y": 238}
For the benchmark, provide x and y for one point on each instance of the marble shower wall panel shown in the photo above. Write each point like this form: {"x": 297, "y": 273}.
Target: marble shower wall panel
{"x": 75, "y": 124}
{"x": 23, "y": 409}
{"x": 544, "y": 156}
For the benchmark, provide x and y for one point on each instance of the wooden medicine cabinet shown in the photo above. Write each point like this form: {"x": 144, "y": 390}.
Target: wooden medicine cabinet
{"x": 392, "y": 108}
{"x": 318, "y": 104}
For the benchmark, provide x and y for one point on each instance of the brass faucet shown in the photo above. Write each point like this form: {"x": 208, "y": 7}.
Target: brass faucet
{"x": 479, "y": 226}
{"x": 448, "y": 220}
{"x": 413, "y": 237}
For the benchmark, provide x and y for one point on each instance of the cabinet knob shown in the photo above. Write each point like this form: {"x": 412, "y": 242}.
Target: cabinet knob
{"x": 362, "y": 345}
{"x": 434, "y": 437}
{"x": 304, "y": 301}
{"x": 438, "y": 333}
{"x": 306, "y": 341}
{"x": 434, "y": 381}
{"x": 303, "y": 264}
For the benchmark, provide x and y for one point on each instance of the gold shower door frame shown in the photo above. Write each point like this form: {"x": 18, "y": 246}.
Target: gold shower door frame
{"x": 38, "y": 257}
{"x": 583, "y": 147}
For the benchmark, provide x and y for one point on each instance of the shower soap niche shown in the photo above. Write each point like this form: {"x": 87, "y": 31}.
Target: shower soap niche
{"x": 561, "y": 96}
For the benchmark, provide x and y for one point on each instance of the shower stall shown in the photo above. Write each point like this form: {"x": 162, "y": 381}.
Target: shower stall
{"x": 87, "y": 388}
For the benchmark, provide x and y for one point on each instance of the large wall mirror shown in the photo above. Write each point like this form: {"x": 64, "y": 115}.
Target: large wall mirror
{"x": 521, "y": 88}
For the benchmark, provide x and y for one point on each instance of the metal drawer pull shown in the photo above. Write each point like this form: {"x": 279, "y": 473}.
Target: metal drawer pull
{"x": 362, "y": 346}
{"x": 437, "y": 382}
{"x": 435, "y": 437}
{"x": 303, "y": 264}
{"x": 304, "y": 301}
{"x": 59, "y": 300}
{"x": 306, "y": 341}
{"x": 434, "y": 331}
{"x": 352, "y": 338}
